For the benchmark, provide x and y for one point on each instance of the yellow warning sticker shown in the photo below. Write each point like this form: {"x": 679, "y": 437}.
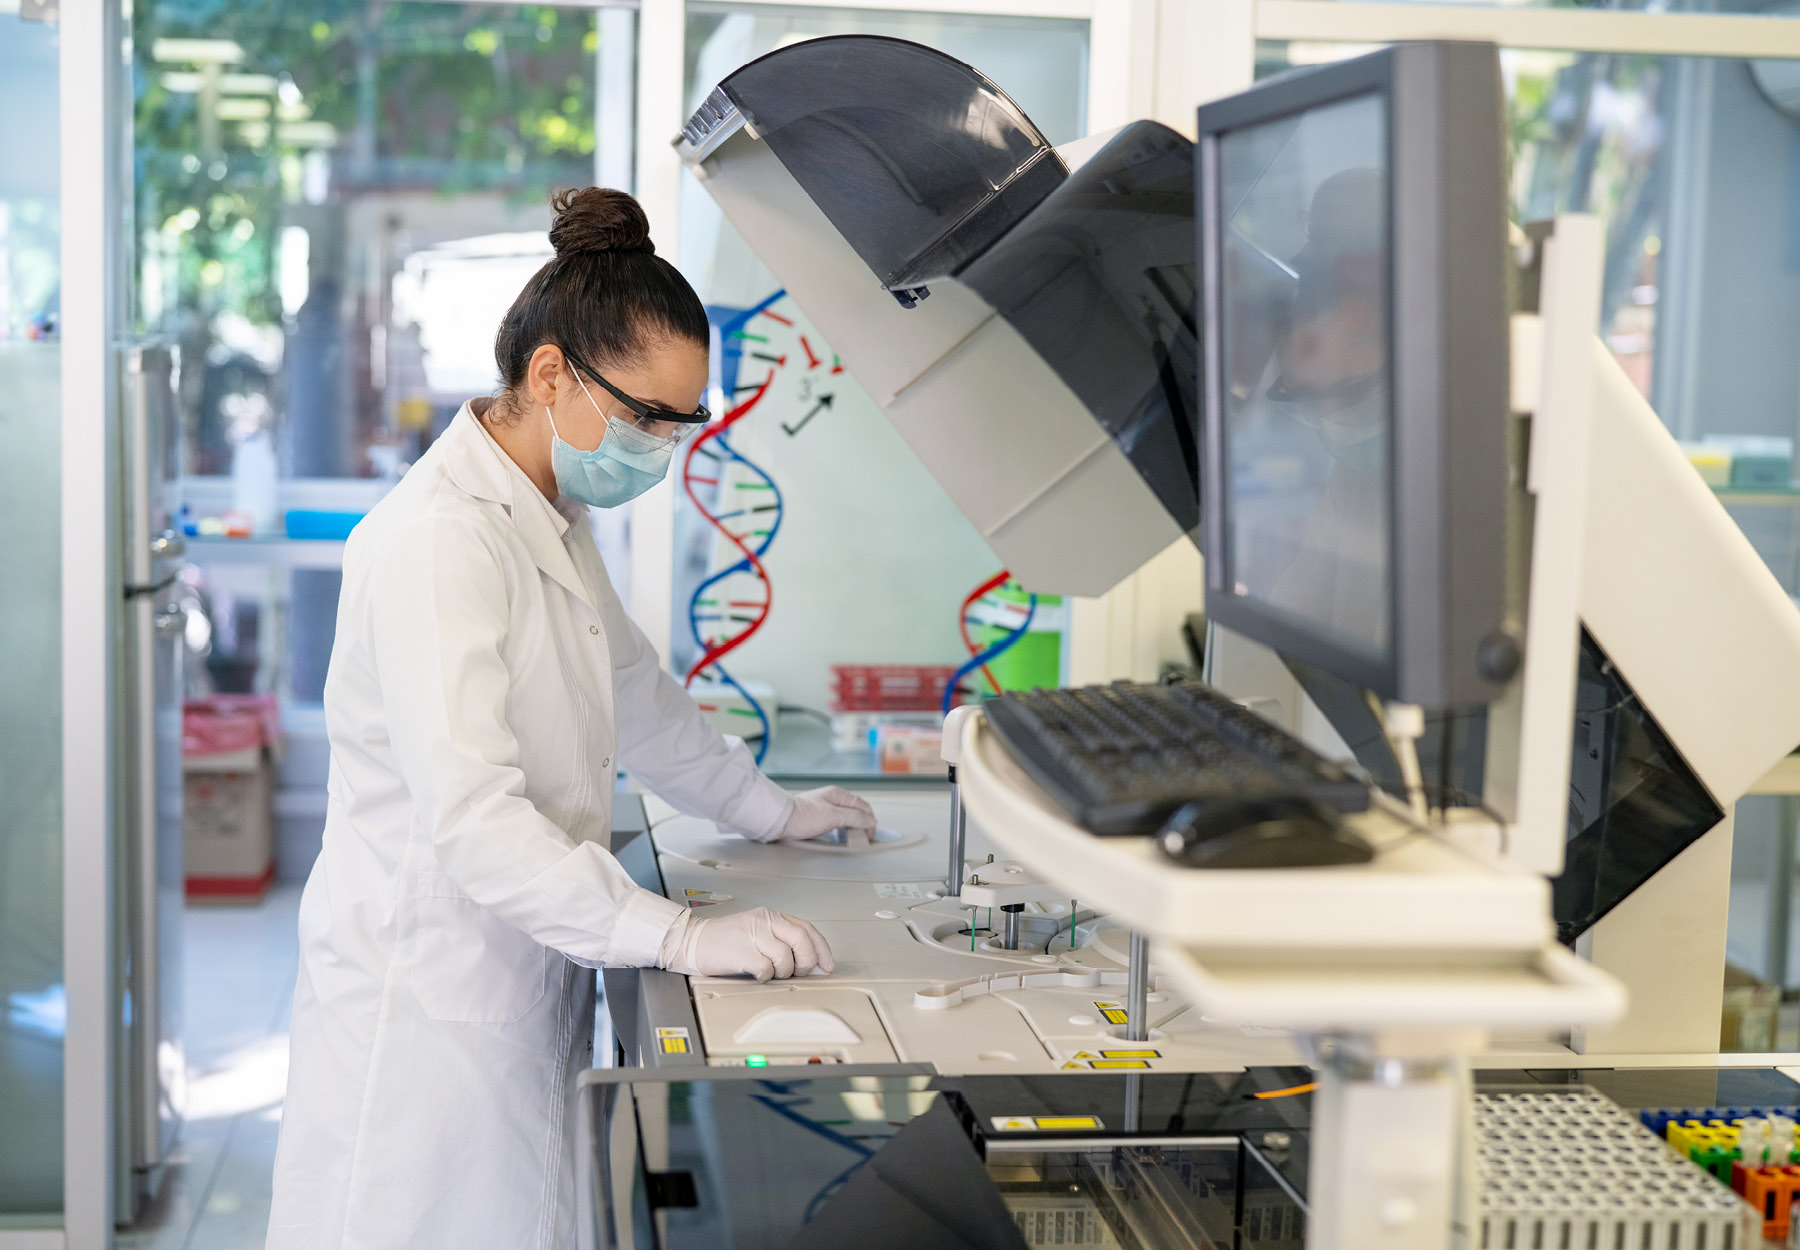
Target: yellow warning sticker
{"x": 1044, "y": 1123}
{"x": 1086, "y": 1054}
{"x": 697, "y": 893}
{"x": 1072, "y": 1064}
{"x": 1131, "y": 1054}
{"x": 1112, "y": 1013}
{"x": 673, "y": 1041}
{"x": 1099, "y": 1064}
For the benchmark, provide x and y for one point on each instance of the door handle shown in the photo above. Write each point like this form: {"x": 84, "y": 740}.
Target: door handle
{"x": 138, "y": 590}
{"x": 168, "y": 545}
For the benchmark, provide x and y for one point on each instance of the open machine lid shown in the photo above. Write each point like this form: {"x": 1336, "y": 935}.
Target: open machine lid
{"x": 1030, "y": 333}
{"x": 920, "y": 161}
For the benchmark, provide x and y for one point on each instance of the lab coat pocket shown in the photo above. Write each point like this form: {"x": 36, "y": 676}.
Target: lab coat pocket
{"x": 471, "y": 967}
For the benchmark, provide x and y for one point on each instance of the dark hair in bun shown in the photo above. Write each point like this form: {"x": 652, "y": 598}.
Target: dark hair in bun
{"x": 597, "y": 219}
{"x": 605, "y": 297}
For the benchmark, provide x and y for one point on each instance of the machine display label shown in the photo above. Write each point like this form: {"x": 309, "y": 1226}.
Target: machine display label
{"x": 673, "y": 1041}
{"x": 1044, "y": 1123}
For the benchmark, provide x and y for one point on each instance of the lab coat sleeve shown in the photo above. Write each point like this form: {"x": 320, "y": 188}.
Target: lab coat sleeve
{"x": 665, "y": 739}
{"x": 440, "y": 609}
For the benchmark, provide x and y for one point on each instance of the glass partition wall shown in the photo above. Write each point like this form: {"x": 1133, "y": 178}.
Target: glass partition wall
{"x": 336, "y": 204}
{"x": 336, "y": 207}
{"x": 32, "y": 1002}
{"x": 867, "y": 586}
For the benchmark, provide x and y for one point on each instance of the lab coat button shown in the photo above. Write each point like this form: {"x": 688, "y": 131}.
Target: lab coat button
{"x": 607, "y": 762}
{"x": 593, "y": 629}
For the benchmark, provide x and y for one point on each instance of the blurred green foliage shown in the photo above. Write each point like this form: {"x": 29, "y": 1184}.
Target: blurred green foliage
{"x": 445, "y": 97}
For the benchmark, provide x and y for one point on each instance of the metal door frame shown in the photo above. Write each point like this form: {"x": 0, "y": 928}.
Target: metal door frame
{"x": 94, "y": 76}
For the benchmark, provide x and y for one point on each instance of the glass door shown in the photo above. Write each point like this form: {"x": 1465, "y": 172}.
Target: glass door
{"x": 335, "y": 206}
{"x": 32, "y": 1003}
{"x": 824, "y": 587}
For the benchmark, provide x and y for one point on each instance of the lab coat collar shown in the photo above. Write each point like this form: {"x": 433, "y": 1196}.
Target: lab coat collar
{"x": 478, "y": 465}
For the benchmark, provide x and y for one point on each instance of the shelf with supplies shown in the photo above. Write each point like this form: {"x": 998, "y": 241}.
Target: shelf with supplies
{"x": 274, "y": 550}
{"x": 313, "y": 515}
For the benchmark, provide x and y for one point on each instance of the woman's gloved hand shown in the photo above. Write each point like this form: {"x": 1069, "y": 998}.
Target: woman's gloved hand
{"x": 764, "y": 943}
{"x": 818, "y": 812}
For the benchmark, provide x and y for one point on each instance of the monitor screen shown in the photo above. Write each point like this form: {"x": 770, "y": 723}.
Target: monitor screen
{"x": 1307, "y": 402}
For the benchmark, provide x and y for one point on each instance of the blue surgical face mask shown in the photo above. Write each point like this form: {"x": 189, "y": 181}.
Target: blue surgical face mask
{"x": 627, "y": 462}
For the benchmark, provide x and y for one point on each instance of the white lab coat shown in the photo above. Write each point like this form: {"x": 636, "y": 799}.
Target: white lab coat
{"x": 484, "y": 686}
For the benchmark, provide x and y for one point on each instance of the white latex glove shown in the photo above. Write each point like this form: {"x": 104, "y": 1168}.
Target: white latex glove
{"x": 764, "y": 943}
{"x": 818, "y": 812}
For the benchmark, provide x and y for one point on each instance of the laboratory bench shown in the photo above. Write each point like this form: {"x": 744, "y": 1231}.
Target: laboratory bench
{"x": 940, "y": 1091}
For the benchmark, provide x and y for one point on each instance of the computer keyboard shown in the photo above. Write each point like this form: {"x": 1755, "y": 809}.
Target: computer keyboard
{"x": 1121, "y": 758}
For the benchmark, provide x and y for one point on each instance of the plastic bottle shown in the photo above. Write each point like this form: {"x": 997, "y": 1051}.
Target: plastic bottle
{"x": 255, "y": 482}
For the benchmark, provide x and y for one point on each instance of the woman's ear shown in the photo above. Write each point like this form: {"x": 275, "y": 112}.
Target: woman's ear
{"x": 544, "y": 378}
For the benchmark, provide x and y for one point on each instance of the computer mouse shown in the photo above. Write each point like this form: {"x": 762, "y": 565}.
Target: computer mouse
{"x": 1282, "y": 832}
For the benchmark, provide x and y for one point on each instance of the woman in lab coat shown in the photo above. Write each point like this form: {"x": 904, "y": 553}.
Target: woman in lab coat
{"x": 484, "y": 688}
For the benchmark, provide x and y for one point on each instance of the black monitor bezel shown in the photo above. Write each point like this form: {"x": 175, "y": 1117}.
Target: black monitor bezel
{"x": 1447, "y": 317}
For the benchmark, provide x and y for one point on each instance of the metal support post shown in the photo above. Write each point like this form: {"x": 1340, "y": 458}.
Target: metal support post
{"x": 1010, "y": 920}
{"x": 1134, "y": 1102}
{"x": 959, "y": 831}
{"x": 1400, "y": 1197}
{"x": 1137, "y": 991}
{"x": 1781, "y": 891}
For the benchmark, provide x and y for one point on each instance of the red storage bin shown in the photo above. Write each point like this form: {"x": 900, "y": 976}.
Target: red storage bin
{"x": 227, "y": 741}
{"x": 889, "y": 687}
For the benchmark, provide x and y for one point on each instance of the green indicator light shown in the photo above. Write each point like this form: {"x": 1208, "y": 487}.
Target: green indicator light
{"x": 756, "y": 1061}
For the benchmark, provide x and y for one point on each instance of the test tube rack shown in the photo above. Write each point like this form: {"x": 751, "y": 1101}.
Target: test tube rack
{"x": 1571, "y": 1168}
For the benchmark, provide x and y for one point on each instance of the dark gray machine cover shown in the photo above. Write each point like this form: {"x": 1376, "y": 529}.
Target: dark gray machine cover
{"x": 919, "y": 160}
{"x": 930, "y": 174}
{"x": 1099, "y": 278}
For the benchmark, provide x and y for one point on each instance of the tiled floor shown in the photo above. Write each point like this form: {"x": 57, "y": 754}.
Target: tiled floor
{"x": 239, "y": 964}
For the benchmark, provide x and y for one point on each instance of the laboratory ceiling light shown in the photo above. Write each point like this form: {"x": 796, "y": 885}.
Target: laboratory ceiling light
{"x": 307, "y": 134}
{"x": 242, "y": 110}
{"x": 189, "y": 82}
{"x": 197, "y": 51}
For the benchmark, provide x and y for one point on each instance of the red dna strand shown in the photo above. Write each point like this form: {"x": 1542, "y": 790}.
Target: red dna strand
{"x": 723, "y": 618}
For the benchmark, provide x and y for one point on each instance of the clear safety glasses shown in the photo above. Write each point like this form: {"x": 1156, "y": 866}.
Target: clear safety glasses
{"x": 664, "y": 425}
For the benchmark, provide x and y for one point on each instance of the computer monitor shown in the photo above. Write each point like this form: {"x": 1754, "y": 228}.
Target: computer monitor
{"x": 1354, "y": 373}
